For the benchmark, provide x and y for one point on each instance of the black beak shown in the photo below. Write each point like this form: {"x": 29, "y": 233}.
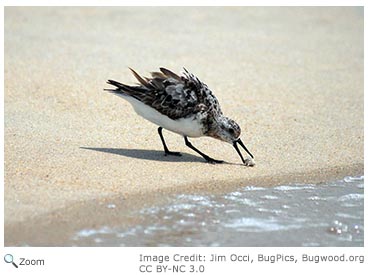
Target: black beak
{"x": 235, "y": 144}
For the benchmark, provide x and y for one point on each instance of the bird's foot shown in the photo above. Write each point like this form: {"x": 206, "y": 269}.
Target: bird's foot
{"x": 213, "y": 161}
{"x": 170, "y": 153}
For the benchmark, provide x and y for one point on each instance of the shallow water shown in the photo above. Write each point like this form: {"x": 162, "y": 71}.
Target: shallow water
{"x": 330, "y": 214}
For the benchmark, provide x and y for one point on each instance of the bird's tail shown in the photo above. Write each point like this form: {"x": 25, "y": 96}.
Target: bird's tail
{"x": 120, "y": 88}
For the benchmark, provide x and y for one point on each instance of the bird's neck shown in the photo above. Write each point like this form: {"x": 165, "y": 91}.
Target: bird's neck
{"x": 214, "y": 127}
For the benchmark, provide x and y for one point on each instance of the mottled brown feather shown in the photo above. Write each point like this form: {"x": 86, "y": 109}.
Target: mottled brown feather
{"x": 139, "y": 78}
{"x": 171, "y": 95}
{"x": 170, "y": 74}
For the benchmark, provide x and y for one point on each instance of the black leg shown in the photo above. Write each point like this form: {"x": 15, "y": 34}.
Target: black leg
{"x": 167, "y": 151}
{"x": 207, "y": 158}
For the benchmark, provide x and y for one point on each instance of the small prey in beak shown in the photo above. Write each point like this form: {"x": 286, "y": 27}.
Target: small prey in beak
{"x": 247, "y": 161}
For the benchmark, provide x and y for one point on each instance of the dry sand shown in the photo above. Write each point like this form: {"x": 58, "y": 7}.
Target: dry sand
{"x": 291, "y": 77}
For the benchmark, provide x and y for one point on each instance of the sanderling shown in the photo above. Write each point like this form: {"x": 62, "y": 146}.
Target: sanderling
{"x": 183, "y": 105}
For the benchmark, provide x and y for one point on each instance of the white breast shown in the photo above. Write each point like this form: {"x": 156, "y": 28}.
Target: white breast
{"x": 184, "y": 126}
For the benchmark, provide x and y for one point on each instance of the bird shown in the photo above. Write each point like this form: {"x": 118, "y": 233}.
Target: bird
{"x": 183, "y": 105}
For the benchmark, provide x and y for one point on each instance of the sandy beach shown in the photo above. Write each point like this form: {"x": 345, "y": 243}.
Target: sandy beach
{"x": 291, "y": 77}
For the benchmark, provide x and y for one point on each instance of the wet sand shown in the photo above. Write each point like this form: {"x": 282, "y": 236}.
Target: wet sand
{"x": 291, "y": 77}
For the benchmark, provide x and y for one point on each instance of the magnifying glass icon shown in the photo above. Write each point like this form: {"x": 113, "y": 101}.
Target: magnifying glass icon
{"x": 8, "y": 258}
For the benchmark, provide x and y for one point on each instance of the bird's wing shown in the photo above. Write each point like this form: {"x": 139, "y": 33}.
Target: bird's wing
{"x": 172, "y": 95}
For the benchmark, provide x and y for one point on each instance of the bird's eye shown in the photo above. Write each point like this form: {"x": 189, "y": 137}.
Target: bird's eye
{"x": 231, "y": 130}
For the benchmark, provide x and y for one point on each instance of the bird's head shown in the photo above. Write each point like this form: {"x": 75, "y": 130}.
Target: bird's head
{"x": 229, "y": 131}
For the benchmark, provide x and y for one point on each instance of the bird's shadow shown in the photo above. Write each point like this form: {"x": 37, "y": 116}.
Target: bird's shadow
{"x": 147, "y": 154}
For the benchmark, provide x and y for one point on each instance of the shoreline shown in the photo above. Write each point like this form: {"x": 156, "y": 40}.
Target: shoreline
{"x": 57, "y": 227}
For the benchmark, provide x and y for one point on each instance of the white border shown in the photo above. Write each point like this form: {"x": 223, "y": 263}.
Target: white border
{"x": 2, "y": 127}
{"x": 125, "y": 260}
{"x": 183, "y": 3}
